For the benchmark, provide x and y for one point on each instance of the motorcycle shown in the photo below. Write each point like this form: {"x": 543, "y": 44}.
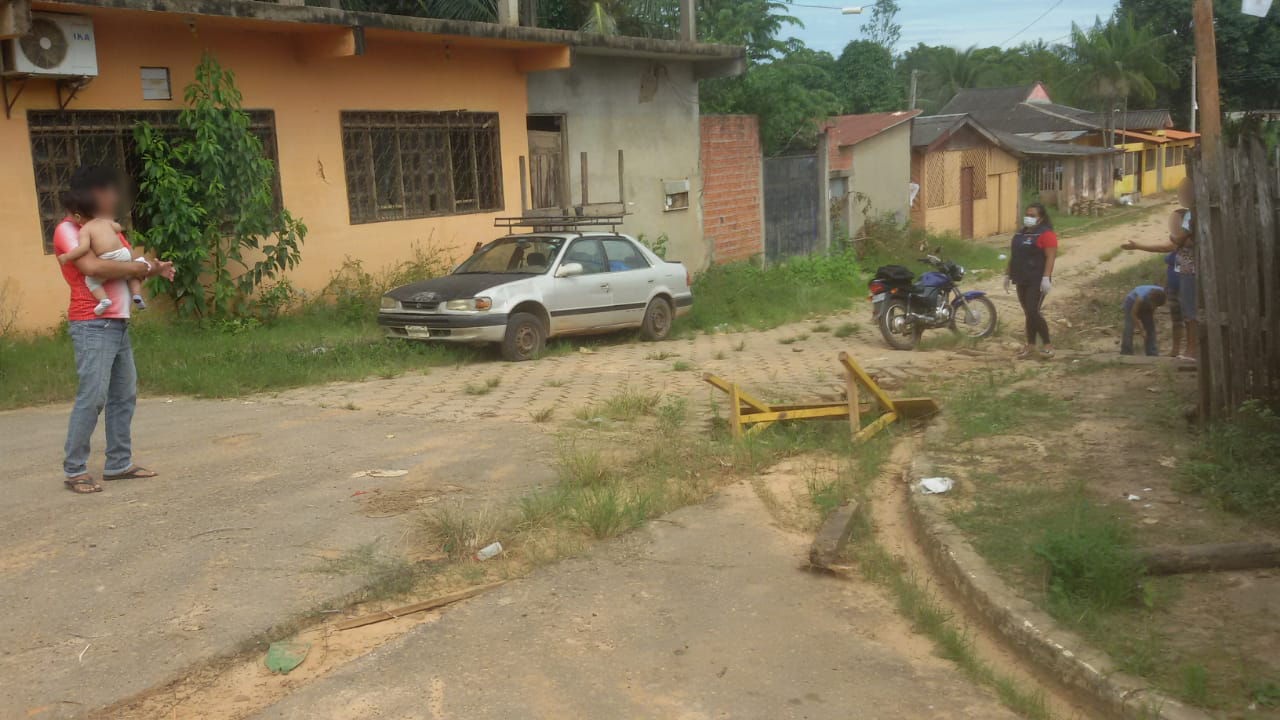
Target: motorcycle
{"x": 903, "y": 307}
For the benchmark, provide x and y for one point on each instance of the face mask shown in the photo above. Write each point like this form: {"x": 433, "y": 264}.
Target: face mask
{"x": 1030, "y": 221}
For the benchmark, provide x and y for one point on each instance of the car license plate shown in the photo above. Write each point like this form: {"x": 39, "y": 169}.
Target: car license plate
{"x": 418, "y": 331}
{"x": 878, "y": 297}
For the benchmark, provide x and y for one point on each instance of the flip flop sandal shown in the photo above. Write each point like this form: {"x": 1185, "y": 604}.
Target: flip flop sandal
{"x": 82, "y": 485}
{"x": 133, "y": 473}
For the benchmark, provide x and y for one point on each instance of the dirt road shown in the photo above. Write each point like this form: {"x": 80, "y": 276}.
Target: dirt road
{"x": 113, "y": 594}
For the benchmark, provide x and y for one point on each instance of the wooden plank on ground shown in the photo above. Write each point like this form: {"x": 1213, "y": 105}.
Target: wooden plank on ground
{"x": 431, "y": 604}
{"x": 1173, "y": 560}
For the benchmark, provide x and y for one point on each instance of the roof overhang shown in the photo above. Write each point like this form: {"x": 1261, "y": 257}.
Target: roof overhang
{"x": 710, "y": 59}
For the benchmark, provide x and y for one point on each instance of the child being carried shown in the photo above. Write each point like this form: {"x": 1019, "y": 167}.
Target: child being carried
{"x": 102, "y": 236}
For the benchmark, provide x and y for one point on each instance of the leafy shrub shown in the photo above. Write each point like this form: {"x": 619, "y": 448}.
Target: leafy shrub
{"x": 1090, "y": 561}
{"x": 744, "y": 294}
{"x": 353, "y": 293}
{"x": 206, "y": 200}
{"x": 1238, "y": 463}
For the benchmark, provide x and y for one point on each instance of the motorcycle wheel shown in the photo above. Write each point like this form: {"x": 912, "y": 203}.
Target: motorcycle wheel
{"x": 895, "y": 315}
{"x": 981, "y": 321}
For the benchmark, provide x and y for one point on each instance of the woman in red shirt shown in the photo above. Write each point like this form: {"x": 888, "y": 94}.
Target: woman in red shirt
{"x": 1031, "y": 256}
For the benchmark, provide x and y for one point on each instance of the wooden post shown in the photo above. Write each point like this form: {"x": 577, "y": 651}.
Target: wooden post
{"x": 585, "y": 200}
{"x": 622, "y": 183}
{"x": 1207, "y": 80}
{"x": 524, "y": 188}
{"x": 855, "y": 411}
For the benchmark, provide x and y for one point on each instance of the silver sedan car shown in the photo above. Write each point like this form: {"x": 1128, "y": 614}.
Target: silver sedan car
{"x": 520, "y": 290}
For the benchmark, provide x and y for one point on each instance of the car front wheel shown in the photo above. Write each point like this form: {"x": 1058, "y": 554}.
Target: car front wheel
{"x": 657, "y": 320}
{"x": 526, "y": 338}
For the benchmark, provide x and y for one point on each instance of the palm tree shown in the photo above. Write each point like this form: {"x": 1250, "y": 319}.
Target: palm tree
{"x": 1117, "y": 61}
{"x": 949, "y": 70}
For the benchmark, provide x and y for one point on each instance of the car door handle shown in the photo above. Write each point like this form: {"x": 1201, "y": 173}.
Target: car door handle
{"x": 604, "y": 286}
{"x": 650, "y": 281}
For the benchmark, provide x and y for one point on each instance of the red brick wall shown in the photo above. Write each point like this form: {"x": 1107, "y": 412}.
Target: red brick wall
{"x": 732, "y": 217}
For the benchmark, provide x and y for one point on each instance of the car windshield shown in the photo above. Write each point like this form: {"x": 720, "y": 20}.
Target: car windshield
{"x": 516, "y": 256}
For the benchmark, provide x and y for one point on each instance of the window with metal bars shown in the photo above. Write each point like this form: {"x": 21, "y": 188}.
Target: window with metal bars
{"x": 403, "y": 165}
{"x": 63, "y": 140}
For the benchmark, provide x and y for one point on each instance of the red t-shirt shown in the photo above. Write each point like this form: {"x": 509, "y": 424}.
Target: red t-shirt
{"x": 1047, "y": 239}
{"x": 65, "y": 239}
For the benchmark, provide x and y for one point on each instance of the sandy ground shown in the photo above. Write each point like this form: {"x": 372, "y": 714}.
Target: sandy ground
{"x": 706, "y": 613}
{"x": 162, "y": 576}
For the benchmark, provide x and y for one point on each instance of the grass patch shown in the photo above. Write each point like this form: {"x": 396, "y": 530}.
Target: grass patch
{"x": 543, "y": 415}
{"x": 681, "y": 366}
{"x": 483, "y": 388}
{"x": 1237, "y": 462}
{"x": 383, "y": 575}
{"x": 821, "y": 328}
{"x": 845, "y": 330}
{"x": 664, "y": 355}
{"x": 230, "y": 360}
{"x": 729, "y": 295}
{"x": 1111, "y": 254}
{"x": 555, "y": 383}
{"x": 625, "y": 406}
{"x": 458, "y": 533}
{"x": 1089, "y": 562}
{"x": 984, "y": 407}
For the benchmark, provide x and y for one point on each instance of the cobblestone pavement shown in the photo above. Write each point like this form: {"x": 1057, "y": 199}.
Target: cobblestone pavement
{"x": 785, "y": 363}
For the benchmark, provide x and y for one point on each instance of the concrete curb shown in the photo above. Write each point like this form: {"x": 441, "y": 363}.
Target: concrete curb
{"x": 1032, "y": 633}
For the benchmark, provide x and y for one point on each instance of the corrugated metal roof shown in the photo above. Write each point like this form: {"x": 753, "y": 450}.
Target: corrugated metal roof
{"x": 975, "y": 100}
{"x": 1135, "y": 119}
{"x": 1039, "y": 148}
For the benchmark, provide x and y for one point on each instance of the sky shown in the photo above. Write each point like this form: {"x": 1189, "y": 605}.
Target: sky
{"x": 960, "y": 23}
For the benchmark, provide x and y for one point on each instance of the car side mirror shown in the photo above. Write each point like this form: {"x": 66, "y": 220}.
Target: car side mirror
{"x": 569, "y": 270}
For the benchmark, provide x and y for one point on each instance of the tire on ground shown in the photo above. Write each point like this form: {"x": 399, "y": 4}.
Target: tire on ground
{"x": 526, "y": 337}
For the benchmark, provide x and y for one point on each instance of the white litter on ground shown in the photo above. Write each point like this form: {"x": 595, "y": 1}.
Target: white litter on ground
{"x": 936, "y": 485}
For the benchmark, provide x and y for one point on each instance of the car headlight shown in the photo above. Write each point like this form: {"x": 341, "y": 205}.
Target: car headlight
{"x": 389, "y": 303}
{"x": 470, "y": 304}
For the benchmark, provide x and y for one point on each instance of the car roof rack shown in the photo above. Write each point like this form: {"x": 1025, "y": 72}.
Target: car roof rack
{"x": 560, "y": 223}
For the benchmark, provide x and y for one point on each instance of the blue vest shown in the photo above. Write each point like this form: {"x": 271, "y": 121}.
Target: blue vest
{"x": 1026, "y": 259}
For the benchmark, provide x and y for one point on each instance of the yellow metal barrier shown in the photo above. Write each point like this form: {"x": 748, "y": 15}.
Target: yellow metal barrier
{"x": 745, "y": 410}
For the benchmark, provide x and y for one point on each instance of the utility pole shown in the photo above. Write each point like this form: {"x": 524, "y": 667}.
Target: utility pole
{"x": 1193, "y": 93}
{"x": 1207, "y": 80}
{"x": 915, "y": 74}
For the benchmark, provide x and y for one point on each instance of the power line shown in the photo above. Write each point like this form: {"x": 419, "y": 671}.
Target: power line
{"x": 1032, "y": 23}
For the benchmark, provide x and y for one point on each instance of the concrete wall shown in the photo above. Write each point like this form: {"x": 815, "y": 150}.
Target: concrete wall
{"x": 880, "y": 170}
{"x": 650, "y": 111}
{"x": 732, "y": 186}
{"x": 275, "y": 71}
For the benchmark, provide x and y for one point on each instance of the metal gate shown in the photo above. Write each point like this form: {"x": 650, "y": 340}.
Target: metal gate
{"x": 791, "y": 203}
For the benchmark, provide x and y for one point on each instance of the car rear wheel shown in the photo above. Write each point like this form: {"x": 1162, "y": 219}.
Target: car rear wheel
{"x": 526, "y": 338}
{"x": 657, "y": 320}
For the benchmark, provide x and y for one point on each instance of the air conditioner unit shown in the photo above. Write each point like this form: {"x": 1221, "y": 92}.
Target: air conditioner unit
{"x": 58, "y": 46}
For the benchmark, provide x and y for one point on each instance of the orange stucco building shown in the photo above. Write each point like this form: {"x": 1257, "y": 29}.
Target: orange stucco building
{"x": 337, "y": 97}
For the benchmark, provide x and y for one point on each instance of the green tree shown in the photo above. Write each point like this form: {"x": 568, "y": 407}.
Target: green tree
{"x": 1248, "y": 53}
{"x": 789, "y": 93}
{"x": 206, "y": 200}
{"x": 1117, "y": 60}
{"x": 883, "y": 29}
{"x": 944, "y": 71}
{"x": 866, "y": 80}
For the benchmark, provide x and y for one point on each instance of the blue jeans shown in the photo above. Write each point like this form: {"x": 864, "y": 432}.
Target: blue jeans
{"x": 108, "y": 379}
{"x": 1148, "y": 320}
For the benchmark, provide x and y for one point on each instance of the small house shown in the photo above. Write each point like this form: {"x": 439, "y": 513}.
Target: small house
{"x": 870, "y": 167}
{"x": 966, "y": 178}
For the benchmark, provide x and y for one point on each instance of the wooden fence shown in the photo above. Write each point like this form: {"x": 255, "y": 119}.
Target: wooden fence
{"x": 1238, "y": 234}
